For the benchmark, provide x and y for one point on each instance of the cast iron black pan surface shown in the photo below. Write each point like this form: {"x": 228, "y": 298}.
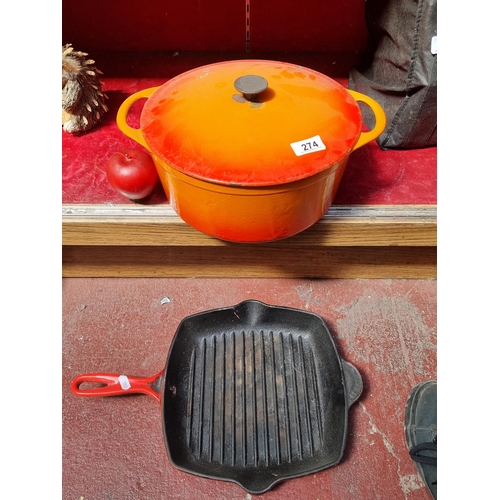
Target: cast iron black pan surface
{"x": 253, "y": 394}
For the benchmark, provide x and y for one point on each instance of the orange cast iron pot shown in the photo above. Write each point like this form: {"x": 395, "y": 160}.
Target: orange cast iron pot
{"x": 251, "y": 150}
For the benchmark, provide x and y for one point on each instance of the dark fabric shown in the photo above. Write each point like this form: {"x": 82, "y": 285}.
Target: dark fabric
{"x": 399, "y": 71}
{"x": 417, "y": 455}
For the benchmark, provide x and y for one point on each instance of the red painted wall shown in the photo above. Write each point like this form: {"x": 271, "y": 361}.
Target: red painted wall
{"x": 308, "y": 25}
{"x": 188, "y": 25}
{"x": 216, "y": 25}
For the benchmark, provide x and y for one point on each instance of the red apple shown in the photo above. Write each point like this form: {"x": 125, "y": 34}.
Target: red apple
{"x": 132, "y": 173}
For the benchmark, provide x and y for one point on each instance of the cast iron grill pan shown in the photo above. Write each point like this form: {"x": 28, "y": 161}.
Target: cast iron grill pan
{"x": 255, "y": 394}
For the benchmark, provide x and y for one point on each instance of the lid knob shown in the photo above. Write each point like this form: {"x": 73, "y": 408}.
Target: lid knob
{"x": 250, "y": 86}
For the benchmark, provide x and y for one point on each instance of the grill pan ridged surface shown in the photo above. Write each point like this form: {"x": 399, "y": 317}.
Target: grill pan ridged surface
{"x": 254, "y": 394}
{"x": 253, "y": 400}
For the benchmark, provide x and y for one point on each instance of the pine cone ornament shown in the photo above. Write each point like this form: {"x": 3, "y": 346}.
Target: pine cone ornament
{"x": 83, "y": 102}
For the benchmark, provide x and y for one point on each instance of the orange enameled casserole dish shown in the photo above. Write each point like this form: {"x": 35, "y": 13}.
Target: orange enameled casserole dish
{"x": 251, "y": 150}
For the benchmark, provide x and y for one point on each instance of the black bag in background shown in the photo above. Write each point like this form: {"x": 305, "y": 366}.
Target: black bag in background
{"x": 399, "y": 71}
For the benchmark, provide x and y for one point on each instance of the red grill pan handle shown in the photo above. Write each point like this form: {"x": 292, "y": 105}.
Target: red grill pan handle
{"x": 117, "y": 385}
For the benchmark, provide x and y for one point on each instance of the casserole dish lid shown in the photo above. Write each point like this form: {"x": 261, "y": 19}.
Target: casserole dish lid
{"x": 251, "y": 122}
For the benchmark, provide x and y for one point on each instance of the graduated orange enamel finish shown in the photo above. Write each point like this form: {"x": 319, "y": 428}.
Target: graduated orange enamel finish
{"x": 195, "y": 125}
{"x": 251, "y": 214}
{"x": 227, "y": 164}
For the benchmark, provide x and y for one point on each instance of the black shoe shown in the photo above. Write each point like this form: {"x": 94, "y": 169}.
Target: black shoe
{"x": 421, "y": 431}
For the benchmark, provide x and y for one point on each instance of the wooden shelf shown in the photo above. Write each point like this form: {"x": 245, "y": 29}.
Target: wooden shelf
{"x": 383, "y": 225}
{"x": 369, "y": 241}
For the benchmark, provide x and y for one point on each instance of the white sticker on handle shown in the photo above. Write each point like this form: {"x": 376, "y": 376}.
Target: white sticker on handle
{"x": 307, "y": 146}
{"x": 124, "y": 382}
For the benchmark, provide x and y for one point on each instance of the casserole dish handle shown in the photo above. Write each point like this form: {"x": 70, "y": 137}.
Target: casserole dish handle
{"x": 121, "y": 116}
{"x": 378, "y": 113}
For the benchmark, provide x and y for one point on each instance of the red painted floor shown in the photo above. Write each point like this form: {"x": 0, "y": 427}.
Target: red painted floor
{"x": 113, "y": 448}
